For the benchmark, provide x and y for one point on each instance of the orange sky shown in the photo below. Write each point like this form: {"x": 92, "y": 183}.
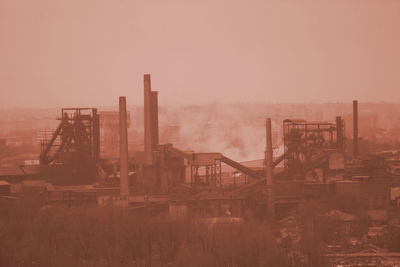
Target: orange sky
{"x": 57, "y": 53}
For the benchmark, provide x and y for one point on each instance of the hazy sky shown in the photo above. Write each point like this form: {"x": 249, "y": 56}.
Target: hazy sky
{"x": 57, "y": 53}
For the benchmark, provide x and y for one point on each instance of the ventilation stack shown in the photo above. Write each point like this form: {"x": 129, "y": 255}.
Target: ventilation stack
{"x": 269, "y": 171}
{"x": 339, "y": 134}
{"x": 148, "y": 155}
{"x": 355, "y": 128}
{"x": 150, "y": 121}
{"x": 123, "y": 141}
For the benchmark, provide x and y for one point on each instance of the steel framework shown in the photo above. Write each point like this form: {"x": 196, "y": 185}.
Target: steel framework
{"x": 75, "y": 143}
{"x": 304, "y": 142}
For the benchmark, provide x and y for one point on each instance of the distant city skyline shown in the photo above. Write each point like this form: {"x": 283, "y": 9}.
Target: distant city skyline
{"x": 87, "y": 53}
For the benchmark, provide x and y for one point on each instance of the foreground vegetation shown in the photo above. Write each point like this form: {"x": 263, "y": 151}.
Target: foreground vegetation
{"x": 33, "y": 234}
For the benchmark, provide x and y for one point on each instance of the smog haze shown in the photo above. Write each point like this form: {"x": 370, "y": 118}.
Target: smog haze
{"x": 86, "y": 53}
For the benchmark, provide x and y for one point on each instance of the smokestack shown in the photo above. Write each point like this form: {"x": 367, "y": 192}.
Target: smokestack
{"x": 154, "y": 118}
{"x": 355, "y": 128}
{"x": 123, "y": 141}
{"x": 96, "y": 134}
{"x": 269, "y": 171}
{"x": 339, "y": 133}
{"x": 148, "y": 146}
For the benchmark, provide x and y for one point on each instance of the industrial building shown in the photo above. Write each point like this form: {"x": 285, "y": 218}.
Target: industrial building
{"x": 87, "y": 161}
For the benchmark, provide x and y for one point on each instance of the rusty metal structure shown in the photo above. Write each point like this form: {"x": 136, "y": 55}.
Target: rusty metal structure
{"x": 164, "y": 166}
{"x": 188, "y": 179}
{"x": 307, "y": 144}
{"x": 75, "y": 144}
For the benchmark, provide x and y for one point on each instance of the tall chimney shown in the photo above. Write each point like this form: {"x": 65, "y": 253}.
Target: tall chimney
{"x": 269, "y": 171}
{"x": 148, "y": 146}
{"x": 96, "y": 134}
{"x": 355, "y": 128}
{"x": 123, "y": 150}
{"x": 154, "y": 118}
{"x": 339, "y": 133}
